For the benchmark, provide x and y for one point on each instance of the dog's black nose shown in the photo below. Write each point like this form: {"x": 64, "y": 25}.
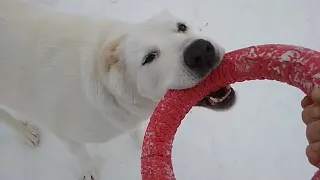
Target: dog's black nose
{"x": 200, "y": 56}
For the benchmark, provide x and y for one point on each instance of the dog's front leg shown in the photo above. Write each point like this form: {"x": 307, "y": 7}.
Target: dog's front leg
{"x": 29, "y": 132}
{"x": 90, "y": 166}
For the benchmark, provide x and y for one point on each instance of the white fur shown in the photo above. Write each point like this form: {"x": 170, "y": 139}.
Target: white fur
{"x": 51, "y": 72}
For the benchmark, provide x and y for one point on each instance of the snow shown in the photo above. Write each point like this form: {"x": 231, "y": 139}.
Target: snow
{"x": 261, "y": 138}
{"x": 287, "y": 56}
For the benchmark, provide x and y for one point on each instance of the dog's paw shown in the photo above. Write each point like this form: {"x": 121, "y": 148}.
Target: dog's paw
{"x": 91, "y": 170}
{"x": 31, "y": 134}
{"x": 92, "y": 174}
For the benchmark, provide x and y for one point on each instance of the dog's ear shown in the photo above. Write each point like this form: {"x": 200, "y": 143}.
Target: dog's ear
{"x": 111, "y": 54}
{"x": 112, "y": 69}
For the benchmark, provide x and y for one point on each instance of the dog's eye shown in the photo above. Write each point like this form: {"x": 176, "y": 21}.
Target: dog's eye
{"x": 150, "y": 57}
{"x": 181, "y": 27}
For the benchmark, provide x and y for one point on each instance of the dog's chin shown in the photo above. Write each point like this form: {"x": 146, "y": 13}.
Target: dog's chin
{"x": 221, "y": 100}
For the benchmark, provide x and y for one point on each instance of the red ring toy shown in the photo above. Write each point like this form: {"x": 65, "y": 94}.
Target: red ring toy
{"x": 296, "y": 66}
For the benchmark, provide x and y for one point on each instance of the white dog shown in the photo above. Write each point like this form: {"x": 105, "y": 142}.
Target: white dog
{"x": 91, "y": 80}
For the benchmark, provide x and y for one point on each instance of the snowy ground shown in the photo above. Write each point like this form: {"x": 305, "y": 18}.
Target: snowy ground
{"x": 262, "y": 138}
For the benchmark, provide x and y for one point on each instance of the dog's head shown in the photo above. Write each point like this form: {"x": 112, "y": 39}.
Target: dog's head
{"x": 159, "y": 54}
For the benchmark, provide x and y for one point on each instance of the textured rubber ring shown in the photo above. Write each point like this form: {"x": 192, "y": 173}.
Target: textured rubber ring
{"x": 296, "y": 66}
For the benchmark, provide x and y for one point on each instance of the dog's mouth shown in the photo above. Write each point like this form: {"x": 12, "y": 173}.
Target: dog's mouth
{"x": 223, "y": 99}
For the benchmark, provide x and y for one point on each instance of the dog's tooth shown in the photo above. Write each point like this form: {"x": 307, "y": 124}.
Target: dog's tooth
{"x": 219, "y": 100}
{"x": 214, "y": 99}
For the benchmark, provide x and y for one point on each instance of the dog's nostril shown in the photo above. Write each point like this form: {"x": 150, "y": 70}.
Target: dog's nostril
{"x": 209, "y": 48}
{"x": 197, "y": 59}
